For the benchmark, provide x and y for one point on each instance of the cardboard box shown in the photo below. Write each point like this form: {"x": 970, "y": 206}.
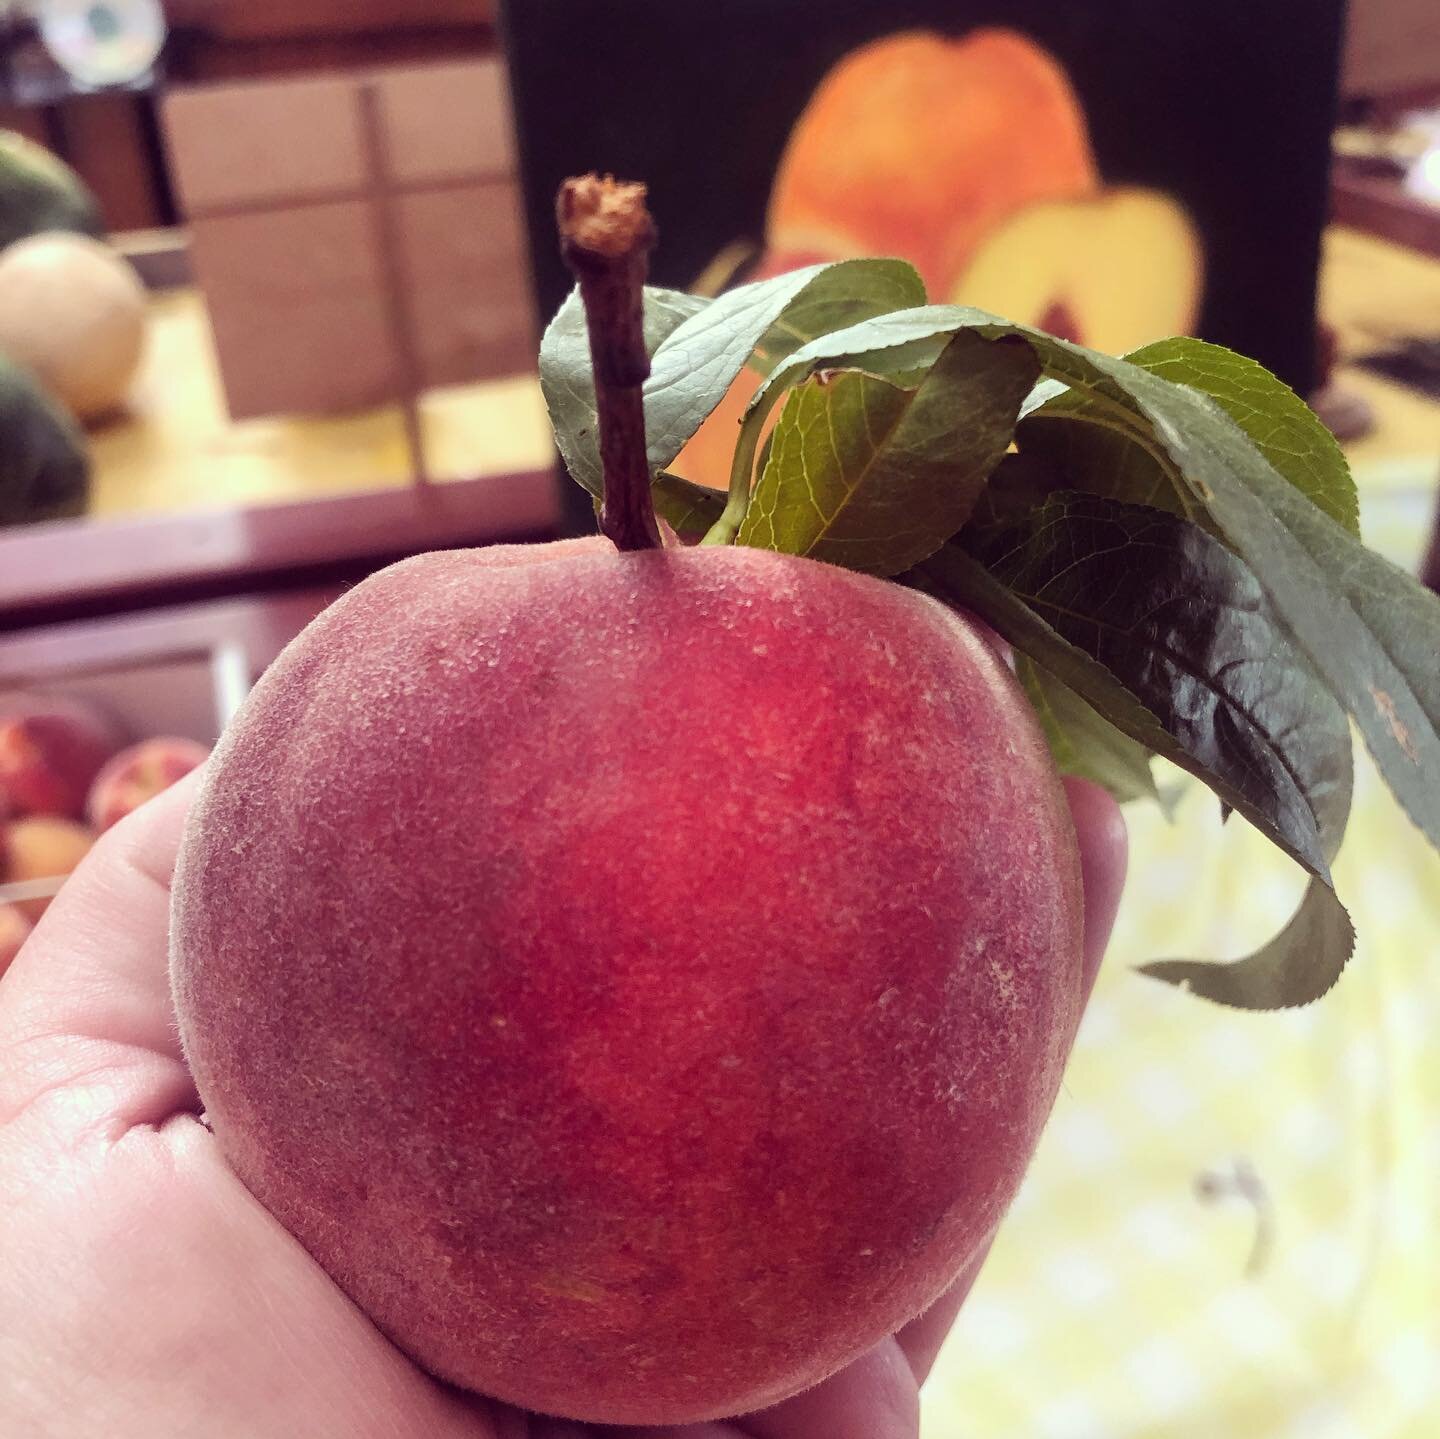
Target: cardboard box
{"x": 358, "y": 237}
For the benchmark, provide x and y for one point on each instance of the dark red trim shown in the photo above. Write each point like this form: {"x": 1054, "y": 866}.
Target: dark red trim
{"x": 85, "y": 567}
{"x": 1379, "y": 205}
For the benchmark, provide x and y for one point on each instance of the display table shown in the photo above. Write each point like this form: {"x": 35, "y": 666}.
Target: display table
{"x": 178, "y": 449}
{"x": 187, "y": 503}
{"x": 1372, "y": 293}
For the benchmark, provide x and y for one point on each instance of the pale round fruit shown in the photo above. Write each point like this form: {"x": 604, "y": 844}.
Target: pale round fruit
{"x": 73, "y": 312}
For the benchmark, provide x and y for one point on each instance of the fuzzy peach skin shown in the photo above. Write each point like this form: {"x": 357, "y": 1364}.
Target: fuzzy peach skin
{"x": 638, "y": 980}
{"x": 145, "y": 1292}
{"x": 138, "y": 774}
{"x": 50, "y": 751}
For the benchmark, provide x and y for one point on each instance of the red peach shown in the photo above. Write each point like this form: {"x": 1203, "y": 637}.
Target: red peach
{"x": 137, "y": 774}
{"x": 50, "y": 751}
{"x": 638, "y": 979}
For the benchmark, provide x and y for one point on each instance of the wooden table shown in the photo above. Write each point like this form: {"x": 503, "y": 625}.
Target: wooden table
{"x": 178, "y": 449}
{"x": 1373, "y": 292}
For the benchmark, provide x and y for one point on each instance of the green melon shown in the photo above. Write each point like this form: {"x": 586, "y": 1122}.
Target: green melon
{"x": 44, "y": 465}
{"x": 40, "y": 192}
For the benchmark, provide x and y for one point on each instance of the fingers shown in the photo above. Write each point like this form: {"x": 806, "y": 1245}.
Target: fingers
{"x": 1104, "y": 853}
{"x": 1104, "y": 847}
{"x": 876, "y": 1397}
{"x": 86, "y": 1008}
{"x": 920, "y": 1340}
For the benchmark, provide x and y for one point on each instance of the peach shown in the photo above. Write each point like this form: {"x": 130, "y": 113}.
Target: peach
{"x": 42, "y": 847}
{"x": 1115, "y": 272}
{"x": 50, "y": 751}
{"x": 708, "y": 452}
{"x": 917, "y": 145}
{"x": 14, "y": 930}
{"x": 620, "y": 1063}
{"x": 138, "y": 774}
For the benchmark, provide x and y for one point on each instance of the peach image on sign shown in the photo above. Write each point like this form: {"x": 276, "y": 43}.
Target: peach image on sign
{"x": 970, "y": 158}
{"x": 917, "y": 145}
{"x": 1114, "y": 272}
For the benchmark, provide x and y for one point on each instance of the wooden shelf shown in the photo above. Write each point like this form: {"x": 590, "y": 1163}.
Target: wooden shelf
{"x": 1379, "y": 205}
{"x": 72, "y": 568}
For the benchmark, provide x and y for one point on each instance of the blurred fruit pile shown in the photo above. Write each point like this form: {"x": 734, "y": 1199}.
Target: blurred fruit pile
{"x": 67, "y": 773}
{"x": 72, "y": 328}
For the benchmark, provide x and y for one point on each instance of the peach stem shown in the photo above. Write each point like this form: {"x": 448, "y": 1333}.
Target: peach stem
{"x": 605, "y": 237}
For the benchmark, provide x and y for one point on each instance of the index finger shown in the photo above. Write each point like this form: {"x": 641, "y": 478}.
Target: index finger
{"x": 1104, "y": 850}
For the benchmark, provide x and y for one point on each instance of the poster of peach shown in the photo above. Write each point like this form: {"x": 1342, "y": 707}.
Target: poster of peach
{"x": 1112, "y": 173}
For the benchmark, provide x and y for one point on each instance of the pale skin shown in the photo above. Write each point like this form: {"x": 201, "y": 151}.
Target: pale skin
{"x": 145, "y": 1294}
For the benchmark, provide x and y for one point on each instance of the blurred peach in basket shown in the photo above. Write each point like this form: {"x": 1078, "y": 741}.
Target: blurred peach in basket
{"x": 41, "y": 848}
{"x": 51, "y": 749}
{"x": 140, "y": 773}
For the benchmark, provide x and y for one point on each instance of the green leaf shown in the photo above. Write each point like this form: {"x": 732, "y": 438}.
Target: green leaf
{"x": 1299, "y": 965}
{"x": 44, "y": 465}
{"x": 840, "y": 295}
{"x": 1083, "y": 741}
{"x": 883, "y": 344}
{"x": 959, "y": 579}
{"x": 1112, "y": 455}
{"x": 1085, "y": 447}
{"x": 1186, "y": 628}
{"x": 872, "y": 476}
{"x": 1368, "y": 627}
{"x": 1274, "y": 418}
{"x": 1305, "y": 959}
{"x": 1018, "y": 485}
{"x": 689, "y": 509}
{"x": 1041, "y": 395}
{"x": 568, "y": 382}
{"x": 697, "y": 348}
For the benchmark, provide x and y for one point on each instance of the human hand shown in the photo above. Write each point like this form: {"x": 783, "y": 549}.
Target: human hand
{"x": 144, "y": 1292}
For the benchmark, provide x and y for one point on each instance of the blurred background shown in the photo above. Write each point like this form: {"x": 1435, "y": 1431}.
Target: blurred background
{"x": 272, "y": 276}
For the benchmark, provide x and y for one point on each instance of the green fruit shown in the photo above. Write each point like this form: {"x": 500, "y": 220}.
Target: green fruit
{"x": 39, "y": 192}
{"x": 44, "y": 466}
